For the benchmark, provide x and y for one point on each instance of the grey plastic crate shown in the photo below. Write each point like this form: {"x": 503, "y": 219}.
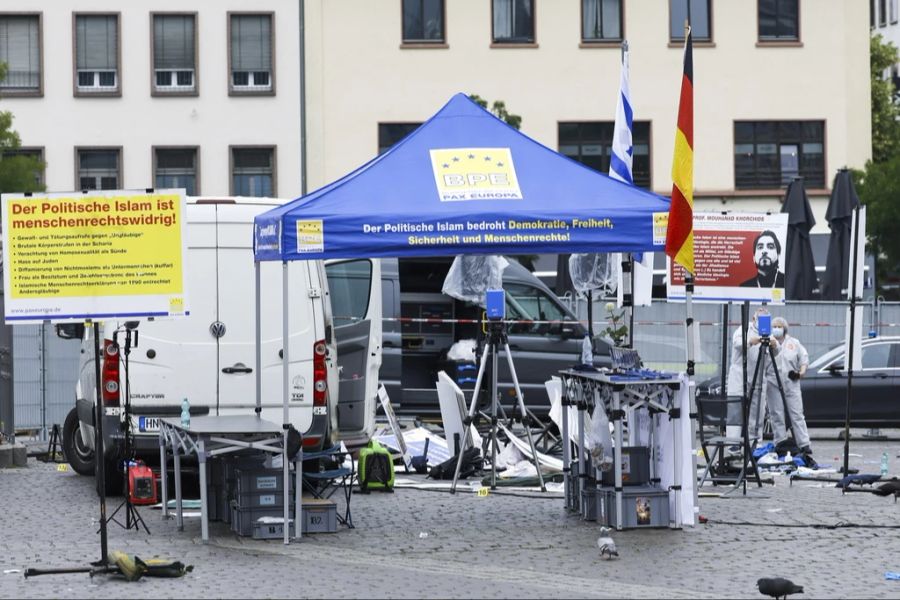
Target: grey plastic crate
{"x": 248, "y": 481}
{"x": 572, "y": 495}
{"x": 243, "y": 519}
{"x": 590, "y": 508}
{"x": 213, "y": 493}
{"x": 635, "y": 467}
{"x": 262, "y": 499}
{"x": 642, "y": 507}
{"x": 269, "y": 530}
{"x": 319, "y": 515}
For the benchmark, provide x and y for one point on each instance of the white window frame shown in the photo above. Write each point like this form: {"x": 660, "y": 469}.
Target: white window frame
{"x": 175, "y": 87}
{"x": 96, "y": 85}
{"x": 251, "y": 85}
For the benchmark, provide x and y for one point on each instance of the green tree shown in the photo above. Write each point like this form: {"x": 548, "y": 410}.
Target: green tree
{"x": 18, "y": 173}
{"x": 885, "y": 109}
{"x": 498, "y": 108}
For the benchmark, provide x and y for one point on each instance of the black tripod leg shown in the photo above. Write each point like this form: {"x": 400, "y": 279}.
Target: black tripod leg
{"x": 787, "y": 416}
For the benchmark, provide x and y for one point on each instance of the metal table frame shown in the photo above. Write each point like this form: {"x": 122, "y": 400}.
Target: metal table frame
{"x": 211, "y": 437}
{"x": 582, "y": 389}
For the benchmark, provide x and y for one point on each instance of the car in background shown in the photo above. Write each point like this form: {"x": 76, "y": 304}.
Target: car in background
{"x": 876, "y": 401}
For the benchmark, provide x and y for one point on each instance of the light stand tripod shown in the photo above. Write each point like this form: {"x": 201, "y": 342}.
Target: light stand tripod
{"x": 133, "y": 518}
{"x": 496, "y": 339}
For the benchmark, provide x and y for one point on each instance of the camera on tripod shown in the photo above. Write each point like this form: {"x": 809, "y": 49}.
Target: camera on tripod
{"x": 495, "y": 301}
{"x": 764, "y": 325}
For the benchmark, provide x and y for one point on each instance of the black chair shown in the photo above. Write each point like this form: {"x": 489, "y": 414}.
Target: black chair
{"x": 718, "y": 412}
{"x": 324, "y": 474}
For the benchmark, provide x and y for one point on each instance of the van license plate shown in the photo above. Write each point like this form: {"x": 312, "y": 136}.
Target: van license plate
{"x": 147, "y": 424}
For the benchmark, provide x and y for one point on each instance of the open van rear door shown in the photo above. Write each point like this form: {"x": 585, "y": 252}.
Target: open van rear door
{"x": 354, "y": 288}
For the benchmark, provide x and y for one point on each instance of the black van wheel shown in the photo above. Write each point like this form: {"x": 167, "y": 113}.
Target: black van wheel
{"x": 79, "y": 455}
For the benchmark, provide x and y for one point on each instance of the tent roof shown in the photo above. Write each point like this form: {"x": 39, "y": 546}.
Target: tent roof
{"x": 464, "y": 182}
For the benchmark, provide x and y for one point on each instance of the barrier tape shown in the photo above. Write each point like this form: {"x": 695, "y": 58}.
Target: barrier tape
{"x": 438, "y": 321}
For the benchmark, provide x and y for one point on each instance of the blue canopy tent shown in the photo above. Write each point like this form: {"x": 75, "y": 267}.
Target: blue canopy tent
{"x": 464, "y": 182}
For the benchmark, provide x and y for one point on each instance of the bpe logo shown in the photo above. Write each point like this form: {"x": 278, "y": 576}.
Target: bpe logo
{"x": 475, "y": 174}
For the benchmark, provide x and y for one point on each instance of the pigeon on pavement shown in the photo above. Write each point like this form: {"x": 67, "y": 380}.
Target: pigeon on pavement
{"x": 606, "y": 544}
{"x": 778, "y": 587}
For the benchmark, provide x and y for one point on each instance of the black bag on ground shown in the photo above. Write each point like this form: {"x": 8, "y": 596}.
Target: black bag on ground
{"x": 471, "y": 464}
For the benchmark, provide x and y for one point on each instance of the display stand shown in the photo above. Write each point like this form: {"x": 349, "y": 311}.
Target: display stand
{"x": 213, "y": 436}
{"x": 584, "y": 390}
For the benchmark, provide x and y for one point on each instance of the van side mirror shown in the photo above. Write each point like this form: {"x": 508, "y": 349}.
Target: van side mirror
{"x": 70, "y": 331}
{"x": 835, "y": 368}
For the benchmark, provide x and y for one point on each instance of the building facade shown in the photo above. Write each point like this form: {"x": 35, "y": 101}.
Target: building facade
{"x": 162, "y": 93}
{"x": 781, "y": 87}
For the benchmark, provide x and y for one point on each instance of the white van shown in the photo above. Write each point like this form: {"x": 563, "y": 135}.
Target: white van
{"x": 209, "y": 356}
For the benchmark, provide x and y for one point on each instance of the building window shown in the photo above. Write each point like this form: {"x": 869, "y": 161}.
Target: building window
{"x": 391, "y": 133}
{"x": 33, "y": 159}
{"x": 174, "y": 53}
{"x": 423, "y": 21}
{"x": 250, "y": 40}
{"x": 697, "y": 12}
{"x": 871, "y": 14}
{"x": 176, "y": 168}
{"x": 253, "y": 172}
{"x": 769, "y": 154}
{"x": 513, "y": 21}
{"x": 779, "y": 20}
{"x": 99, "y": 169}
{"x": 590, "y": 143}
{"x": 20, "y": 49}
{"x": 96, "y": 54}
{"x": 601, "y": 20}
{"x": 893, "y": 11}
{"x": 882, "y": 13}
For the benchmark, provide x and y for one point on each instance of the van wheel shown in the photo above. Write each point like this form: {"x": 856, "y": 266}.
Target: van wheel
{"x": 79, "y": 455}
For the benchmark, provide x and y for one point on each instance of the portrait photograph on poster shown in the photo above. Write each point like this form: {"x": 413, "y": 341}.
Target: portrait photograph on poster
{"x": 738, "y": 257}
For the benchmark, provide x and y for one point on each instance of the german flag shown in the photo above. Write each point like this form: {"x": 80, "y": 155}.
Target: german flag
{"x": 680, "y": 233}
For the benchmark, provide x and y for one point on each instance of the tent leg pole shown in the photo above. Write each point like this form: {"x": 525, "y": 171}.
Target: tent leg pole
{"x": 285, "y": 383}
{"x": 258, "y": 279}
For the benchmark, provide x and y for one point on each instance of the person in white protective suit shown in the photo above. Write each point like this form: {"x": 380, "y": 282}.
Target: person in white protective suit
{"x": 792, "y": 364}
{"x": 735, "y": 384}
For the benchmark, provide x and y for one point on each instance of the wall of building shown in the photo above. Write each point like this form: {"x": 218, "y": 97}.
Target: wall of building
{"x": 358, "y": 79}
{"x": 137, "y": 121}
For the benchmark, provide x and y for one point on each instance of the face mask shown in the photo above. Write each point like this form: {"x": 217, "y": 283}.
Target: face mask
{"x": 778, "y": 332}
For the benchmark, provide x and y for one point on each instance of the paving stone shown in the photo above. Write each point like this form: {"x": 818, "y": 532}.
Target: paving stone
{"x": 497, "y": 546}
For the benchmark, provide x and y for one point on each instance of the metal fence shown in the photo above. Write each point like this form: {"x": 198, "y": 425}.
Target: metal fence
{"x": 660, "y": 328}
{"x": 45, "y": 369}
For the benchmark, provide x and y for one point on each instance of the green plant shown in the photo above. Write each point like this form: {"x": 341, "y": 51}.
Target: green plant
{"x": 617, "y": 330}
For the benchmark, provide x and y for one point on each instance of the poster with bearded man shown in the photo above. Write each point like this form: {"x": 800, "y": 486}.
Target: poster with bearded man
{"x": 737, "y": 257}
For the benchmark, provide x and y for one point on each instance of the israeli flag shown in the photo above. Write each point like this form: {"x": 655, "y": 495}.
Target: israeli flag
{"x": 622, "y": 147}
{"x": 620, "y": 165}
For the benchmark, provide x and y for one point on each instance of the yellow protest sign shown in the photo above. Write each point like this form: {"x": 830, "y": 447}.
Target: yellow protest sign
{"x": 89, "y": 255}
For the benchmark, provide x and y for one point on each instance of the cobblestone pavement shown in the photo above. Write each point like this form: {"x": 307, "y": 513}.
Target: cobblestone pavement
{"x": 416, "y": 543}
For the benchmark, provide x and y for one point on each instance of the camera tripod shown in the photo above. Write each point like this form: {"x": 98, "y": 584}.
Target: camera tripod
{"x": 758, "y": 374}
{"x": 133, "y": 518}
{"x": 496, "y": 339}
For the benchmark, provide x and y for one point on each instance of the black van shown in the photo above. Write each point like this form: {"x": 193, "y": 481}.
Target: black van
{"x": 414, "y": 352}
